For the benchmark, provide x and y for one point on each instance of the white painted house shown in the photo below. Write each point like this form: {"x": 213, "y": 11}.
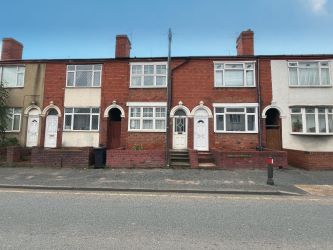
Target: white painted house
{"x": 302, "y": 92}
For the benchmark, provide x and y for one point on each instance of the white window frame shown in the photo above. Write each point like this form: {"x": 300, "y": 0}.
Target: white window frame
{"x": 72, "y": 119}
{"x": 143, "y": 105}
{"x": 320, "y": 85}
{"x": 17, "y": 73}
{"x": 303, "y": 115}
{"x": 236, "y": 105}
{"x": 92, "y": 75}
{"x": 244, "y": 73}
{"x": 12, "y": 119}
{"x": 142, "y": 64}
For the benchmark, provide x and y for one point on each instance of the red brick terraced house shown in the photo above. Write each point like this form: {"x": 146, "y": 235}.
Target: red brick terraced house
{"x": 222, "y": 112}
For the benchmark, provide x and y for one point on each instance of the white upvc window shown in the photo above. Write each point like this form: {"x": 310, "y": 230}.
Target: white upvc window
{"x": 234, "y": 74}
{"x": 235, "y": 117}
{"x": 13, "y": 119}
{"x": 147, "y": 117}
{"x": 309, "y": 74}
{"x": 12, "y": 76}
{"x": 312, "y": 120}
{"x": 81, "y": 119}
{"x": 84, "y": 76}
{"x": 148, "y": 75}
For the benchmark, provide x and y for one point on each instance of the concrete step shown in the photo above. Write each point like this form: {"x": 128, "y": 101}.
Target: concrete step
{"x": 179, "y": 159}
{"x": 207, "y": 165}
{"x": 180, "y": 165}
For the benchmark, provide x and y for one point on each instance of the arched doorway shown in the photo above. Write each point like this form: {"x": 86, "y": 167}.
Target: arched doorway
{"x": 51, "y": 128}
{"x": 179, "y": 130}
{"x": 273, "y": 129}
{"x": 33, "y": 128}
{"x": 114, "y": 128}
{"x": 201, "y": 130}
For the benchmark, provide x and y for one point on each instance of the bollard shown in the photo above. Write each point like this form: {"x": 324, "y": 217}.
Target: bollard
{"x": 269, "y": 162}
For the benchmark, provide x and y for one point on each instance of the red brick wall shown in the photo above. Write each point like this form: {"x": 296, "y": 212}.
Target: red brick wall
{"x": 54, "y": 90}
{"x": 115, "y": 87}
{"x": 194, "y": 82}
{"x": 265, "y": 90}
{"x": 310, "y": 160}
{"x": 135, "y": 158}
{"x": 3, "y": 154}
{"x": 69, "y": 157}
{"x": 248, "y": 159}
{"x": 17, "y": 154}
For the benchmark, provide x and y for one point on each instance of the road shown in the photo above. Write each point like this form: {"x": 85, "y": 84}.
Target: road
{"x": 32, "y": 219}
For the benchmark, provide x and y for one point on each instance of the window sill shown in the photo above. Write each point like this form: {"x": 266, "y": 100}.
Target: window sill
{"x": 16, "y": 87}
{"x": 147, "y": 131}
{"x": 87, "y": 131}
{"x": 311, "y": 86}
{"x": 225, "y": 87}
{"x": 81, "y": 87}
{"x": 236, "y": 132}
{"x": 147, "y": 87}
{"x": 312, "y": 134}
{"x": 13, "y": 131}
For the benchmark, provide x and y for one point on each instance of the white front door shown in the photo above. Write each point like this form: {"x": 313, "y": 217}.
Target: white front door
{"x": 33, "y": 129}
{"x": 179, "y": 133}
{"x": 51, "y": 129}
{"x": 201, "y": 130}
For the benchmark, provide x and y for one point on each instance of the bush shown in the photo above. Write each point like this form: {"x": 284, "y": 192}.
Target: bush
{"x": 11, "y": 141}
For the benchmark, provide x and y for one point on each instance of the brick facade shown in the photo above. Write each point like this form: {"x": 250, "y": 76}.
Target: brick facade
{"x": 310, "y": 160}
{"x": 135, "y": 158}
{"x": 68, "y": 157}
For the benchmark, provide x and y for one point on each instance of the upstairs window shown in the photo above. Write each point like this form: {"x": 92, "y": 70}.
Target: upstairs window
{"x": 13, "y": 119}
{"x": 81, "y": 119}
{"x": 312, "y": 120}
{"x": 12, "y": 76}
{"x": 309, "y": 74}
{"x": 84, "y": 75}
{"x": 235, "y": 74}
{"x": 148, "y": 75}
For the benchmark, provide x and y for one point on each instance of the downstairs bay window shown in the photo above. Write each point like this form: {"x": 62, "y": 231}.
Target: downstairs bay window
{"x": 235, "y": 118}
{"x": 81, "y": 119}
{"x": 312, "y": 120}
{"x": 147, "y": 118}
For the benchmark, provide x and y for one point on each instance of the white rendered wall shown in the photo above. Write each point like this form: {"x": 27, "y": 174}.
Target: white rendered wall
{"x": 76, "y": 98}
{"x": 285, "y": 96}
{"x": 80, "y": 139}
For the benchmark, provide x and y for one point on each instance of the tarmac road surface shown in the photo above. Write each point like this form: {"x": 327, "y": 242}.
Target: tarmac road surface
{"x": 35, "y": 219}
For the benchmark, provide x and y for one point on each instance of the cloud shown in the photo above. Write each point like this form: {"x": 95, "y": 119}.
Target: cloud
{"x": 317, "y": 6}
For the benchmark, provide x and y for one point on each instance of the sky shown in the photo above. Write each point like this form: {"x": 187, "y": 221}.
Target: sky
{"x": 87, "y": 29}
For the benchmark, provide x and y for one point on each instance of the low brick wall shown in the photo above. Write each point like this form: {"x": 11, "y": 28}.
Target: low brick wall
{"x": 118, "y": 158}
{"x": 248, "y": 159}
{"x": 310, "y": 160}
{"x": 193, "y": 156}
{"x": 3, "y": 154}
{"x": 62, "y": 157}
{"x": 17, "y": 154}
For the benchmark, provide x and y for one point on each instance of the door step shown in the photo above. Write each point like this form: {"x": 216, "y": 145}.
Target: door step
{"x": 179, "y": 159}
{"x": 206, "y": 160}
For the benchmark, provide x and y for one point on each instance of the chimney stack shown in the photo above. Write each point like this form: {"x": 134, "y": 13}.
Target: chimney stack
{"x": 123, "y": 46}
{"x": 11, "y": 49}
{"x": 244, "y": 44}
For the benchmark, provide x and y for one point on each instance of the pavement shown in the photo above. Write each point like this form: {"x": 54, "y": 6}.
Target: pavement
{"x": 288, "y": 181}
